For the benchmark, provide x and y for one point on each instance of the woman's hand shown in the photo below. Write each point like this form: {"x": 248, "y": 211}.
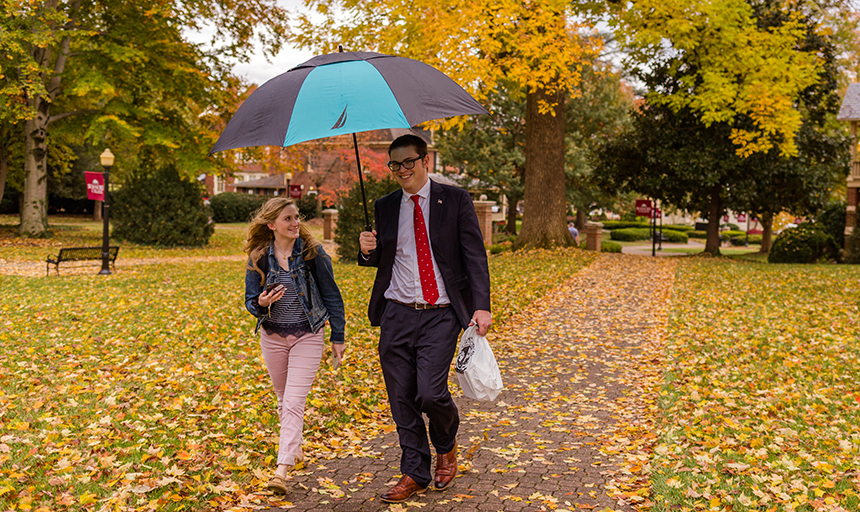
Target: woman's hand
{"x": 338, "y": 349}
{"x": 266, "y": 299}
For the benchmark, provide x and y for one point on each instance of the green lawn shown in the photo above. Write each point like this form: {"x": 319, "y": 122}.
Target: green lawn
{"x": 145, "y": 389}
{"x": 761, "y": 402}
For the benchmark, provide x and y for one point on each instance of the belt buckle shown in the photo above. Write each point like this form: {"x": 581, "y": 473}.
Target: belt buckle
{"x": 418, "y": 306}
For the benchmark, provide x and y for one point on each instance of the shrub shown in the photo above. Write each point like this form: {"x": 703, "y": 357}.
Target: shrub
{"x": 679, "y": 227}
{"x": 9, "y": 203}
{"x": 502, "y": 247}
{"x": 350, "y": 217}
{"x": 630, "y": 234}
{"x": 307, "y": 205}
{"x": 623, "y": 224}
{"x": 697, "y": 234}
{"x": 852, "y": 251}
{"x": 802, "y": 244}
{"x": 161, "y": 209}
{"x": 500, "y": 238}
{"x": 235, "y": 206}
{"x": 831, "y": 219}
{"x": 740, "y": 240}
{"x": 608, "y": 246}
{"x": 676, "y": 237}
{"x": 605, "y": 246}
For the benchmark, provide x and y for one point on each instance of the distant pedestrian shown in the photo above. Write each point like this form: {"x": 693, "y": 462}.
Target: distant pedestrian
{"x": 571, "y": 226}
{"x": 432, "y": 280}
{"x": 290, "y": 288}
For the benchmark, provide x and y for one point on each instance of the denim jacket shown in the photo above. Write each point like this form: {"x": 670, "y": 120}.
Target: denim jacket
{"x": 325, "y": 301}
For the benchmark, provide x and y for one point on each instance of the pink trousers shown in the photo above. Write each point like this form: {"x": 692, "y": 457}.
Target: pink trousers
{"x": 292, "y": 363}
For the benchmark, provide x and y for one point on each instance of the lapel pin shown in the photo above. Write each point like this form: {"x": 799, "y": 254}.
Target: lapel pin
{"x": 440, "y": 201}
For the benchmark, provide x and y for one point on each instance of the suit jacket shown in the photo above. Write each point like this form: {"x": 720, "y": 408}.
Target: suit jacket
{"x": 458, "y": 248}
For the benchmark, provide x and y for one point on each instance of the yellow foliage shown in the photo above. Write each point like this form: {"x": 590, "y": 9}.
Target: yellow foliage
{"x": 735, "y": 67}
{"x": 535, "y": 44}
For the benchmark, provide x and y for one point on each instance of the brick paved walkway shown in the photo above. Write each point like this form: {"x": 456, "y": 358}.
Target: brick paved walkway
{"x": 571, "y": 429}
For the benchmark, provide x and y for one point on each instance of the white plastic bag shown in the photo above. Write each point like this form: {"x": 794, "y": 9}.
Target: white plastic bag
{"x": 476, "y": 367}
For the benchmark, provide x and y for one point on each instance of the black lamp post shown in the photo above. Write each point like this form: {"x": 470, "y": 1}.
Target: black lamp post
{"x": 107, "y": 162}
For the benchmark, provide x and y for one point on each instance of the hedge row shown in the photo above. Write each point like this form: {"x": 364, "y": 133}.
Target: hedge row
{"x": 635, "y": 234}
{"x": 622, "y": 224}
{"x": 679, "y": 227}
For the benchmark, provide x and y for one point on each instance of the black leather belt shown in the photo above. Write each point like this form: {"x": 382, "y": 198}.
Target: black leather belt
{"x": 419, "y": 305}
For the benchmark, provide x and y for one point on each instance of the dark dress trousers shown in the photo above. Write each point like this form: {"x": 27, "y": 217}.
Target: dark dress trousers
{"x": 416, "y": 346}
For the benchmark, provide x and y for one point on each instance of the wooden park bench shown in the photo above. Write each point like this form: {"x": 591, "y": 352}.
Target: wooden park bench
{"x": 79, "y": 254}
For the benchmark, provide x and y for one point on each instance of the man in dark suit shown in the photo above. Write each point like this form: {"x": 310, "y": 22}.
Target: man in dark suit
{"x": 432, "y": 280}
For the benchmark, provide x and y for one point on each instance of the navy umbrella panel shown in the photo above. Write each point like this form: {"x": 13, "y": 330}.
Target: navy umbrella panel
{"x": 342, "y": 93}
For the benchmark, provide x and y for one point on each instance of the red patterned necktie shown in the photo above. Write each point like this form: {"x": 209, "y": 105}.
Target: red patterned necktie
{"x": 422, "y": 248}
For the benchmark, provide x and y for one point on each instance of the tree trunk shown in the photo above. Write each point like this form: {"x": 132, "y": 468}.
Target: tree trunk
{"x": 4, "y": 166}
{"x": 544, "y": 210}
{"x": 580, "y": 219}
{"x": 766, "y": 233}
{"x": 97, "y": 210}
{"x": 715, "y": 209}
{"x": 511, "y": 220}
{"x": 34, "y": 211}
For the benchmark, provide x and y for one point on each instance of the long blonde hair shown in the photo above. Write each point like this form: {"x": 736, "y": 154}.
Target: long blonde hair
{"x": 260, "y": 236}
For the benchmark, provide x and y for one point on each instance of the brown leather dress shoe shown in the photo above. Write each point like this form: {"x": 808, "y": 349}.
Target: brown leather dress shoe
{"x": 404, "y": 490}
{"x": 446, "y": 469}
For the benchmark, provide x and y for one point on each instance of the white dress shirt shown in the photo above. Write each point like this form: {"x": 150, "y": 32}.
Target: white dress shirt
{"x": 405, "y": 280}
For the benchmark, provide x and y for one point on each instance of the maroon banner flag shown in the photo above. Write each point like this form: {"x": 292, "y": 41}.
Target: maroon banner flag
{"x": 296, "y": 191}
{"x": 95, "y": 185}
{"x": 643, "y": 208}
{"x": 742, "y": 217}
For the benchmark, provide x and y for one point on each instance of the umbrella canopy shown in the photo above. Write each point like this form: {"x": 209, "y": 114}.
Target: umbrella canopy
{"x": 341, "y": 93}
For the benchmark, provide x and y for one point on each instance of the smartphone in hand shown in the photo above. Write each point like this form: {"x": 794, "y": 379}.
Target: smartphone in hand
{"x": 274, "y": 287}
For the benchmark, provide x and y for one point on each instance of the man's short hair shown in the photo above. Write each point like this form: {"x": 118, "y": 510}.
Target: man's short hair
{"x": 410, "y": 139}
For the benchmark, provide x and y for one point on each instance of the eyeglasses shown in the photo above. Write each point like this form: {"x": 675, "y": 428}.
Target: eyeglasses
{"x": 409, "y": 163}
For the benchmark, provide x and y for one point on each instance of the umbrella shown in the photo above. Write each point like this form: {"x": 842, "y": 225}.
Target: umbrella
{"x": 341, "y": 93}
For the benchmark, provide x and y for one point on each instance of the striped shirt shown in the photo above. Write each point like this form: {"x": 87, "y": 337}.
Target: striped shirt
{"x": 287, "y": 316}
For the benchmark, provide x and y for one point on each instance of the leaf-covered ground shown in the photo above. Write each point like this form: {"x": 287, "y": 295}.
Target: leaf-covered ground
{"x": 144, "y": 390}
{"x": 762, "y": 393}
{"x": 570, "y": 431}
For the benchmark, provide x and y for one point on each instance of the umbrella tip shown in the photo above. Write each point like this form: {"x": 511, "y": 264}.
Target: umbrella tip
{"x": 340, "y": 48}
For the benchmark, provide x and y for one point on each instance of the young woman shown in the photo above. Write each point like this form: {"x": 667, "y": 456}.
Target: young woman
{"x": 290, "y": 288}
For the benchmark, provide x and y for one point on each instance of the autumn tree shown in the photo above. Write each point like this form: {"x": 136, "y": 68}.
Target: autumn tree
{"x": 535, "y": 45}
{"x": 491, "y": 149}
{"x": 724, "y": 64}
{"x": 714, "y": 134}
{"x": 122, "y": 74}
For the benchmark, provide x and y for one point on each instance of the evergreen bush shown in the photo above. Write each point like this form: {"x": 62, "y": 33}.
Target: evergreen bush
{"x": 623, "y": 224}
{"x": 676, "y": 237}
{"x": 605, "y": 246}
{"x": 235, "y": 206}
{"x": 806, "y": 243}
{"x": 679, "y": 227}
{"x": 741, "y": 240}
{"x": 161, "y": 209}
{"x": 350, "y": 217}
{"x": 307, "y": 205}
{"x": 852, "y": 252}
{"x": 630, "y": 234}
{"x": 697, "y": 233}
{"x": 831, "y": 219}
